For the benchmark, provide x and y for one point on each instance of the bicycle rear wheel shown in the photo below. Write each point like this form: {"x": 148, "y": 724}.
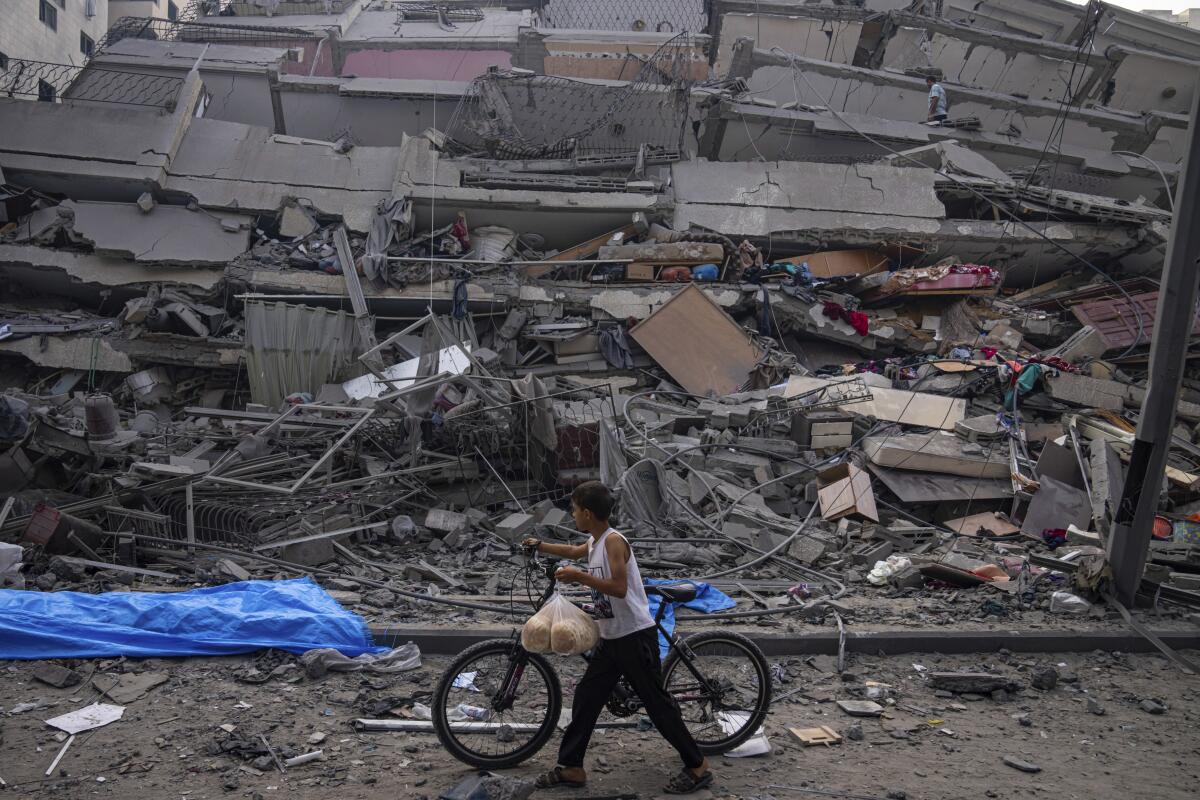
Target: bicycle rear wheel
{"x": 471, "y": 717}
{"x": 724, "y": 694}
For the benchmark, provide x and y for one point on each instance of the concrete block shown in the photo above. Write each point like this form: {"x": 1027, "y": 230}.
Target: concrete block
{"x": 1179, "y": 580}
{"x": 739, "y": 416}
{"x": 868, "y": 553}
{"x": 836, "y": 441}
{"x": 515, "y": 527}
{"x": 1084, "y": 344}
{"x": 54, "y": 675}
{"x": 556, "y": 516}
{"x": 312, "y": 553}
{"x": 443, "y": 520}
{"x": 808, "y": 550}
{"x": 539, "y": 509}
{"x": 1088, "y": 392}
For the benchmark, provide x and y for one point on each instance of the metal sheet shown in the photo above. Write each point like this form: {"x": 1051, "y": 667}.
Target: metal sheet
{"x": 698, "y": 344}
{"x": 293, "y": 348}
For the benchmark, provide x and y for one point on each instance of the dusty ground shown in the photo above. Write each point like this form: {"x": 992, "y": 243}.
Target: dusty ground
{"x": 927, "y": 746}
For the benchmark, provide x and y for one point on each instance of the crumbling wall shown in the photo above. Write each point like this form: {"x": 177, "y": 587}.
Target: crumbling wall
{"x": 832, "y": 40}
{"x": 999, "y": 68}
{"x": 377, "y": 112}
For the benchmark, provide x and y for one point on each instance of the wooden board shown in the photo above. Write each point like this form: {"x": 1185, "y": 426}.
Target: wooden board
{"x": 813, "y": 736}
{"x": 698, "y": 344}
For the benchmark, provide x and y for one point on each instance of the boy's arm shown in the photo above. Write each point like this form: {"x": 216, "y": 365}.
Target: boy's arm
{"x": 616, "y": 586}
{"x": 571, "y": 551}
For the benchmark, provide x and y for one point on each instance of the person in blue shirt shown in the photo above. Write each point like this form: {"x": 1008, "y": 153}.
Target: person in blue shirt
{"x": 937, "y": 101}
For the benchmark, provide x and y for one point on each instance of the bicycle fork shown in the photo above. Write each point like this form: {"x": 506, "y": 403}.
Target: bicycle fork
{"x": 506, "y": 695}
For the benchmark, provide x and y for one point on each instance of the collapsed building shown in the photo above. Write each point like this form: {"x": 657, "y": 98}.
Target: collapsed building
{"x": 365, "y": 287}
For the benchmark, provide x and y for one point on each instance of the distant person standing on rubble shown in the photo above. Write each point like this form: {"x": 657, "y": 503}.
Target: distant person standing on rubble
{"x": 938, "y": 107}
{"x": 628, "y": 646}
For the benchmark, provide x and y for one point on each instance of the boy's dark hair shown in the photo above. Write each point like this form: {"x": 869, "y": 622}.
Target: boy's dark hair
{"x": 595, "y": 497}
{"x": 930, "y": 79}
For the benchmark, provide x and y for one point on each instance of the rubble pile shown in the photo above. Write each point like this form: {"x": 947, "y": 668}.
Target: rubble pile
{"x": 817, "y": 374}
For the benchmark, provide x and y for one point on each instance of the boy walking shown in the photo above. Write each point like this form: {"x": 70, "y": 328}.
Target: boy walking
{"x": 628, "y": 646}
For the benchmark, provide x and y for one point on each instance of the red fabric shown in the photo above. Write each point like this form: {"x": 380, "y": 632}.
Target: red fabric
{"x": 988, "y": 352}
{"x": 1054, "y": 362}
{"x": 856, "y": 319}
{"x": 459, "y": 232}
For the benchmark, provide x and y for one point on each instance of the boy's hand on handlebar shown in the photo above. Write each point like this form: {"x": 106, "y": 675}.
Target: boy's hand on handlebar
{"x": 531, "y": 544}
{"x": 569, "y": 575}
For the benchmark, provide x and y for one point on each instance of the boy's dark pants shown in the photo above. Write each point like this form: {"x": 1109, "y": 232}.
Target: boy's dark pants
{"x": 636, "y": 658}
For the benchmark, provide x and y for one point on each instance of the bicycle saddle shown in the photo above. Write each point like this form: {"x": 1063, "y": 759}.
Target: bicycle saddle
{"x": 675, "y": 592}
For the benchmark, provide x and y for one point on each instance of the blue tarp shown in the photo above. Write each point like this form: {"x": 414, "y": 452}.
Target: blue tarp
{"x": 708, "y": 599}
{"x": 294, "y": 615}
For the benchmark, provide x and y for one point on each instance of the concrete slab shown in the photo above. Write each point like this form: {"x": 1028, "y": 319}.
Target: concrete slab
{"x": 167, "y": 235}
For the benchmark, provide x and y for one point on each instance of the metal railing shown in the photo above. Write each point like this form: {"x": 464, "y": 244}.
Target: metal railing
{"x": 164, "y": 30}
{"x": 242, "y": 8}
{"x": 52, "y": 82}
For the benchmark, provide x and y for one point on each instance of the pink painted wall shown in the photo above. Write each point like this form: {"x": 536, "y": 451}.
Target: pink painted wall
{"x": 324, "y": 59}
{"x": 443, "y": 65}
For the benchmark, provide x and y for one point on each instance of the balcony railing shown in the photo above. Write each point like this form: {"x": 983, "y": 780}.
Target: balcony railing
{"x": 52, "y": 82}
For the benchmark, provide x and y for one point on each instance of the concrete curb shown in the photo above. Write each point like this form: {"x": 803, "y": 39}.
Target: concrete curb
{"x": 449, "y": 642}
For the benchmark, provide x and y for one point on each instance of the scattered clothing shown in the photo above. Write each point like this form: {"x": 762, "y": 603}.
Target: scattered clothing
{"x": 856, "y": 319}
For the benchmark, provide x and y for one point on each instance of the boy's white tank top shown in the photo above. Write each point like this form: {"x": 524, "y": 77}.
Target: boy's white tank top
{"x": 618, "y": 616}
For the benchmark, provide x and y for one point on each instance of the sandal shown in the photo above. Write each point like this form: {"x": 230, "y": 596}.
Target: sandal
{"x": 554, "y": 778}
{"x": 686, "y": 782}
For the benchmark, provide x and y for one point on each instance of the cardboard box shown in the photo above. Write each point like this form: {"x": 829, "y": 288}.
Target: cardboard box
{"x": 844, "y": 491}
{"x": 639, "y": 272}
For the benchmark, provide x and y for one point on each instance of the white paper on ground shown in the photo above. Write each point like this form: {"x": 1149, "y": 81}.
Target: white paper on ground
{"x": 756, "y": 745}
{"x": 97, "y": 715}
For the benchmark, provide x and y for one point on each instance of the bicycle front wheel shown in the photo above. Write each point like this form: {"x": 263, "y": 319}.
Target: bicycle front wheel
{"x": 723, "y": 689}
{"x": 496, "y": 705}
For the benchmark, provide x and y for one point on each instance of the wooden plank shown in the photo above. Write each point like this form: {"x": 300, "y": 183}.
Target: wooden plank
{"x": 814, "y": 736}
{"x": 698, "y": 344}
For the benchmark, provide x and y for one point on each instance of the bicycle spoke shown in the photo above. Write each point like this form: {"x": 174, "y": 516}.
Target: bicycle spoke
{"x": 717, "y": 707}
{"x": 478, "y": 724}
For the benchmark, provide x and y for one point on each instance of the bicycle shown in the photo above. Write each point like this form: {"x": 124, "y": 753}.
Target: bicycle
{"x": 720, "y": 680}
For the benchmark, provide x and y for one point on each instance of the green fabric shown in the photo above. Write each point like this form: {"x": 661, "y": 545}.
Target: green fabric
{"x": 1025, "y": 382}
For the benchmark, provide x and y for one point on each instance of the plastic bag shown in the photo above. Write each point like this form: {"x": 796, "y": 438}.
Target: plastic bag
{"x": 883, "y": 570}
{"x": 1067, "y": 603}
{"x": 559, "y": 627}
